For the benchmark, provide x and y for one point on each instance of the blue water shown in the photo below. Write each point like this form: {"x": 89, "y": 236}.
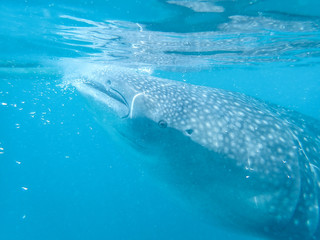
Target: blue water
{"x": 61, "y": 177}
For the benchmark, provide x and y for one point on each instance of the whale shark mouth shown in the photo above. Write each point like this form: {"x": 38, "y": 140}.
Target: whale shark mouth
{"x": 111, "y": 92}
{"x": 108, "y": 95}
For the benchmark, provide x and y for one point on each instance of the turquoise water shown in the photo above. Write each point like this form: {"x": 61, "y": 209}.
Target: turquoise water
{"x": 61, "y": 176}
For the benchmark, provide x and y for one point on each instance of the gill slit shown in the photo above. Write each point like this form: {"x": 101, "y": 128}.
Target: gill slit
{"x": 301, "y": 147}
{"x": 312, "y": 166}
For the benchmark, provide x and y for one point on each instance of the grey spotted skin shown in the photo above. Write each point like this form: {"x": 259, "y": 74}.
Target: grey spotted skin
{"x": 242, "y": 163}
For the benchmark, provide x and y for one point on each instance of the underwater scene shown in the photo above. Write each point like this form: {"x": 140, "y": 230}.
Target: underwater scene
{"x": 160, "y": 119}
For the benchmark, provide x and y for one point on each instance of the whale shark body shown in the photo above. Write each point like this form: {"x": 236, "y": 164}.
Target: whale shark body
{"x": 243, "y": 163}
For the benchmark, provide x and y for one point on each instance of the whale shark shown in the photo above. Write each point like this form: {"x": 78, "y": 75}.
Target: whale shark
{"x": 243, "y": 163}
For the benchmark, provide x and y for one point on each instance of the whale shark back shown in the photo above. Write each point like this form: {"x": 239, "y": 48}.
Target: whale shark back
{"x": 284, "y": 132}
{"x": 259, "y": 136}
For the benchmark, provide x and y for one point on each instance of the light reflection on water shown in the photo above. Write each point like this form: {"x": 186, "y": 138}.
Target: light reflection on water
{"x": 242, "y": 40}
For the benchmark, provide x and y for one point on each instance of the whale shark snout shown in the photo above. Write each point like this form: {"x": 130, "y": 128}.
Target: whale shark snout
{"x": 243, "y": 163}
{"x": 104, "y": 95}
{"x": 110, "y": 92}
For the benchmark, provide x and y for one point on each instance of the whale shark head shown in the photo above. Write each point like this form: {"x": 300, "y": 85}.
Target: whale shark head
{"x": 224, "y": 153}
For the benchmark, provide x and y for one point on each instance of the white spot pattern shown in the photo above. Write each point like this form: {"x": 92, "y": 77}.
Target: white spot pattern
{"x": 274, "y": 147}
